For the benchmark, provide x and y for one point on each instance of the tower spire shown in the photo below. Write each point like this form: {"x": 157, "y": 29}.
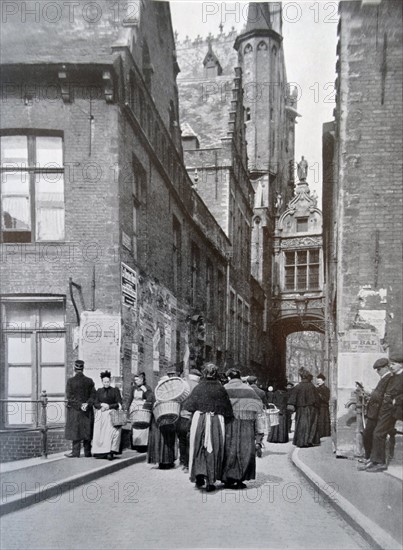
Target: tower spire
{"x": 258, "y": 17}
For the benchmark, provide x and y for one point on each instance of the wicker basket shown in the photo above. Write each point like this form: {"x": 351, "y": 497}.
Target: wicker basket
{"x": 273, "y": 418}
{"x": 172, "y": 389}
{"x": 166, "y": 412}
{"x": 141, "y": 419}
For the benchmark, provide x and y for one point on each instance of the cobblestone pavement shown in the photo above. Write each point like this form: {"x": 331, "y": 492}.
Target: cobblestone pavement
{"x": 143, "y": 507}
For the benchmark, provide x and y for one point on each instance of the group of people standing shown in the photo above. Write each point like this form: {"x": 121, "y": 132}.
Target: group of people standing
{"x": 89, "y": 415}
{"x": 220, "y": 429}
{"x": 384, "y": 407}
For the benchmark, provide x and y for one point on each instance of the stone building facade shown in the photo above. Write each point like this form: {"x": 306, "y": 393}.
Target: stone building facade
{"x": 362, "y": 203}
{"x": 242, "y": 185}
{"x": 108, "y": 253}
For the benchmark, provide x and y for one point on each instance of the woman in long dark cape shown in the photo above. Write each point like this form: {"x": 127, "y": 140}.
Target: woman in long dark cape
{"x": 305, "y": 399}
{"x": 210, "y": 405}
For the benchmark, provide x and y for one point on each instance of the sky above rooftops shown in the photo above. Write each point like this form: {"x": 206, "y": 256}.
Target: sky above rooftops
{"x": 310, "y": 38}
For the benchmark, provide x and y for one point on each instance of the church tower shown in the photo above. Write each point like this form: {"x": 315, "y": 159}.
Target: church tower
{"x": 260, "y": 56}
{"x": 270, "y": 113}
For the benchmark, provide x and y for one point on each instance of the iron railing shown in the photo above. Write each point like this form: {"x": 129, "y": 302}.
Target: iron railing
{"x": 41, "y": 418}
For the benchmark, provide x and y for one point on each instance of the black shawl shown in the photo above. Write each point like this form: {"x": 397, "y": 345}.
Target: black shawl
{"x": 209, "y": 396}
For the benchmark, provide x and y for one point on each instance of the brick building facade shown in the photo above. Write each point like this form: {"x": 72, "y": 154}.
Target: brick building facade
{"x": 108, "y": 253}
{"x": 362, "y": 202}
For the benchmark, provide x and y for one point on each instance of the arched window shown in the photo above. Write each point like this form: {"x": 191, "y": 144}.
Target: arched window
{"x": 262, "y": 45}
{"x": 248, "y": 49}
{"x": 247, "y": 114}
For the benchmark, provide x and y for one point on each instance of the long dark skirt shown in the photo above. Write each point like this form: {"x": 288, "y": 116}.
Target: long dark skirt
{"x": 239, "y": 453}
{"x": 279, "y": 434}
{"x": 306, "y": 427}
{"x": 203, "y": 462}
{"x": 161, "y": 444}
{"x": 324, "y": 420}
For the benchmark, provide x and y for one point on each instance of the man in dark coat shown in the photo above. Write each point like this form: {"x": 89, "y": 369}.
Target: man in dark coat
{"x": 80, "y": 395}
{"x": 374, "y": 404}
{"x": 391, "y": 410}
{"x": 323, "y": 411}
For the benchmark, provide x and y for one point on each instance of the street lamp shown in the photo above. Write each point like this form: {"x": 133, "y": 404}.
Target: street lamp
{"x": 301, "y": 304}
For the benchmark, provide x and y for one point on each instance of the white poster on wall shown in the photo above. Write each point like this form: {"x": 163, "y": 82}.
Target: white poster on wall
{"x": 99, "y": 343}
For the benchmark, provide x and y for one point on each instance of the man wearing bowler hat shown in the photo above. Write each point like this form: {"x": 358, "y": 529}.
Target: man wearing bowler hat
{"x": 80, "y": 395}
{"x": 390, "y": 411}
{"x": 374, "y": 404}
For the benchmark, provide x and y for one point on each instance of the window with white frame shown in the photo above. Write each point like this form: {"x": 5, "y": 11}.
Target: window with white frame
{"x": 32, "y": 187}
{"x": 301, "y": 270}
{"x": 34, "y": 358}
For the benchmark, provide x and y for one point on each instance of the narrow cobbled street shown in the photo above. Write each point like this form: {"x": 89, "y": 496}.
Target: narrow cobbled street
{"x": 144, "y": 507}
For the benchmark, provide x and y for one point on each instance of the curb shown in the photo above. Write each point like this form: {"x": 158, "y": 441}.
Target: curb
{"x": 57, "y": 488}
{"x": 375, "y": 535}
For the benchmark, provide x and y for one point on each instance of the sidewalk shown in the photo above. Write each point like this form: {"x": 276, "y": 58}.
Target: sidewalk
{"x": 27, "y": 482}
{"x": 372, "y": 503}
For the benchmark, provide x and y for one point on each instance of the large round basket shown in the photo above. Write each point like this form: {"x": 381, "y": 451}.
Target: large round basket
{"x": 166, "y": 412}
{"x": 172, "y": 389}
{"x": 272, "y": 413}
{"x": 141, "y": 419}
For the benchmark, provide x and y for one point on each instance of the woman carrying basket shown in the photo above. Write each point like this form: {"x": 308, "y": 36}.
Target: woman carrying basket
{"x": 106, "y": 439}
{"x": 141, "y": 397}
{"x": 162, "y": 439}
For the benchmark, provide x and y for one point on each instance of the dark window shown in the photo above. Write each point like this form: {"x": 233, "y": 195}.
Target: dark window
{"x": 139, "y": 184}
{"x": 302, "y": 225}
{"x": 220, "y": 299}
{"x": 301, "y": 270}
{"x": 177, "y": 253}
{"x": 209, "y": 287}
{"x": 195, "y": 271}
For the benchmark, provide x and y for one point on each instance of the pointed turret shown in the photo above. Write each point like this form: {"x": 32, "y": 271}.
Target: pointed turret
{"x": 258, "y": 17}
{"x": 263, "y": 20}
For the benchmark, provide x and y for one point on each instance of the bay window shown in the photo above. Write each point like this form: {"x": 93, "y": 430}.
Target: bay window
{"x": 301, "y": 270}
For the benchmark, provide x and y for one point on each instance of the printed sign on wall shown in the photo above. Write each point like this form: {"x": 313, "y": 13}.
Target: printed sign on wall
{"x": 129, "y": 286}
{"x": 99, "y": 343}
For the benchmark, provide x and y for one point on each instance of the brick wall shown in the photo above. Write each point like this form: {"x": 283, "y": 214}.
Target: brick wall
{"x": 20, "y": 445}
{"x": 371, "y": 135}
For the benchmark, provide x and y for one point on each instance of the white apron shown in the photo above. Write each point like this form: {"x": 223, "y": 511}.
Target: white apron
{"x": 140, "y": 437}
{"x": 106, "y": 437}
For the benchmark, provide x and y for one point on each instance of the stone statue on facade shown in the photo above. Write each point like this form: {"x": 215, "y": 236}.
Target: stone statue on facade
{"x": 302, "y": 169}
{"x": 279, "y": 202}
